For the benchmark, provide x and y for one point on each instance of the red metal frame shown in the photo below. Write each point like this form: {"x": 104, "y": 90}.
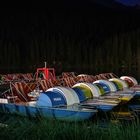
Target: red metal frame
{"x": 46, "y": 72}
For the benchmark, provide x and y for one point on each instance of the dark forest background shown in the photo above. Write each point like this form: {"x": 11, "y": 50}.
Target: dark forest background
{"x": 86, "y": 38}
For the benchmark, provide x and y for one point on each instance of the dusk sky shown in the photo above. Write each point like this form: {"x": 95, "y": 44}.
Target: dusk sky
{"x": 129, "y": 2}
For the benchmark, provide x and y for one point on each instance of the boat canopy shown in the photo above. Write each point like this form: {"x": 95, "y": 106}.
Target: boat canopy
{"x": 51, "y": 99}
{"x": 104, "y": 88}
{"x": 89, "y": 89}
{"x": 107, "y": 85}
{"x": 80, "y": 94}
{"x": 68, "y": 93}
{"x": 121, "y": 83}
{"x": 130, "y": 80}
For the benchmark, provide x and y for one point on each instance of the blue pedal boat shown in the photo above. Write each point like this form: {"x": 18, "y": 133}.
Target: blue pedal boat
{"x": 93, "y": 95}
{"x": 49, "y": 105}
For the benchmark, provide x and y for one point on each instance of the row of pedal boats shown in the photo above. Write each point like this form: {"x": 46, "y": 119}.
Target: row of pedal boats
{"x": 79, "y": 103}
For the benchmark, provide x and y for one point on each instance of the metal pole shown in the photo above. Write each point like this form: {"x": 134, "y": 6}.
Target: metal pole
{"x": 45, "y": 64}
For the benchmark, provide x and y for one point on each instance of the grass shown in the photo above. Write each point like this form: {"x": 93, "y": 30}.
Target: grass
{"x": 21, "y": 128}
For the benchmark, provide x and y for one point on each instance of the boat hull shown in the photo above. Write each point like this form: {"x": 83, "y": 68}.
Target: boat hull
{"x": 100, "y": 105}
{"x": 53, "y": 113}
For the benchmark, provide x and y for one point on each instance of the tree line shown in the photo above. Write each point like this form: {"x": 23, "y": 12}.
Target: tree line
{"x": 91, "y": 44}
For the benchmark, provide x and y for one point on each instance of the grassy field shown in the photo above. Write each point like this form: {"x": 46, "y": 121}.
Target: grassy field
{"x": 21, "y": 128}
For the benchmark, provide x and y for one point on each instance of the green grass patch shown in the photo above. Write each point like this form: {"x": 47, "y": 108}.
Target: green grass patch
{"x": 21, "y": 128}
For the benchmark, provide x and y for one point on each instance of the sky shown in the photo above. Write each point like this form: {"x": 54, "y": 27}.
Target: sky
{"x": 129, "y": 2}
